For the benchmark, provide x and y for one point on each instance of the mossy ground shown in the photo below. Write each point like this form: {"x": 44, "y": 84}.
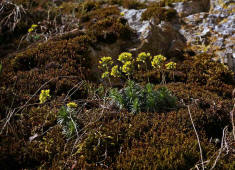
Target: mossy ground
{"x": 108, "y": 138}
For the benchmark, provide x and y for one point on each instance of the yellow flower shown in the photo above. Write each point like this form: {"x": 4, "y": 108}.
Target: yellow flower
{"x": 158, "y": 60}
{"x": 72, "y": 105}
{"x": 115, "y": 72}
{"x": 142, "y": 57}
{"x": 105, "y": 61}
{"x": 44, "y": 95}
{"x": 124, "y": 57}
{"x": 122, "y": 13}
{"x": 170, "y": 66}
{"x": 105, "y": 74}
{"x": 127, "y": 67}
{"x": 34, "y": 26}
{"x": 30, "y": 30}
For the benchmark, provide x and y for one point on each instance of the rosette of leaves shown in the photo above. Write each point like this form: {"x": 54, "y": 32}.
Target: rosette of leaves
{"x": 165, "y": 99}
{"x": 67, "y": 119}
{"x": 137, "y": 99}
{"x": 129, "y": 97}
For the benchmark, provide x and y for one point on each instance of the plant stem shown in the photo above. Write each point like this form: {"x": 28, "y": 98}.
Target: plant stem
{"x": 163, "y": 77}
{"x": 199, "y": 144}
{"x": 147, "y": 71}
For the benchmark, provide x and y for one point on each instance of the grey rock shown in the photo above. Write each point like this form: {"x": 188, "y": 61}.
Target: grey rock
{"x": 153, "y": 36}
{"x": 134, "y": 20}
{"x": 212, "y": 30}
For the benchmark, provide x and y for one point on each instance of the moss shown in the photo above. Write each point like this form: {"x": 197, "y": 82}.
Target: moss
{"x": 212, "y": 112}
{"x": 162, "y": 13}
{"x": 62, "y": 67}
{"x": 215, "y": 76}
{"x": 133, "y": 4}
{"x": 19, "y": 150}
{"x": 122, "y": 140}
{"x": 148, "y": 140}
{"x": 110, "y": 138}
{"x": 175, "y": 152}
{"x": 106, "y": 25}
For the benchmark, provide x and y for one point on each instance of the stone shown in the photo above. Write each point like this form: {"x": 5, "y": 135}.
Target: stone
{"x": 154, "y": 36}
{"x": 211, "y": 31}
{"x": 187, "y": 8}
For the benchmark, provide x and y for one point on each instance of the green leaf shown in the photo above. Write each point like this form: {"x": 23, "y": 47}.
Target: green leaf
{"x": 62, "y": 116}
{"x": 135, "y": 98}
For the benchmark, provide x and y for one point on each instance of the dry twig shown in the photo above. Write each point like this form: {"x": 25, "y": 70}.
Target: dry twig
{"x": 13, "y": 16}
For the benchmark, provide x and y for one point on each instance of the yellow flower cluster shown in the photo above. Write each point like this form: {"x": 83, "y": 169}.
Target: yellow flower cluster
{"x": 72, "y": 105}
{"x": 115, "y": 72}
{"x": 127, "y": 67}
{"x": 122, "y": 13}
{"x": 44, "y": 95}
{"x": 124, "y": 57}
{"x": 142, "y": 57}
{"x": 105, "y": 61}
{"x": 128, "y": 64}
{"x": 105, "y": 74}
{"x": 170, "y": 66}
{"x": 32, "y": 28}
{"x": 157, "y": 61}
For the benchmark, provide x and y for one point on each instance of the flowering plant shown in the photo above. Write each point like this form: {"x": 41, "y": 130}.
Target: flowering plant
{"x": 115, "y": 72}
{"x": 170, "y": 66}
{"x": 106, "y": 61}
{"x": 72, "y": 105}
{"x": 32, "y": 28}
{"x": 127, "y": 67}
{"x": 44, "y": 95}
{"x": 142, "y": 57}
{"x": 124, "y": 57}
{"x": 158, "y": 60}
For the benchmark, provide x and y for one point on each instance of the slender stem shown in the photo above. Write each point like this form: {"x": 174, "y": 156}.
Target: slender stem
{"x": 199, "y": 144}
{"x": 147, "y": 71}
{"x": 107, "y": 69}
{"x": 109, "y": 81}
{"x": 163, "y": 77}
{"x": 232, "y": 119}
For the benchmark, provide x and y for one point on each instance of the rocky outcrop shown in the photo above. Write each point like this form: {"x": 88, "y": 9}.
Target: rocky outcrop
{"x": 213, "y": 31}
{"x": 154, "y": 36}
{"x": 204, "y": 25}
{"x": 191, "y": 7}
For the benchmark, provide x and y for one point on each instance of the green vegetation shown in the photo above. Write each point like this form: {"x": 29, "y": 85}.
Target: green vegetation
{"x": 136, "y": 99}
{"x": 67, "y": 119}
